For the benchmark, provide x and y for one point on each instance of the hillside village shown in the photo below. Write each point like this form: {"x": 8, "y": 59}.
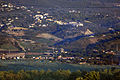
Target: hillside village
{"x": 56, "y": 56}
{"x": 51, "y": 29}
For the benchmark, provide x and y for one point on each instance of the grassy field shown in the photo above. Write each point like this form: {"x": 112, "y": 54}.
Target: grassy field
{"x": 17, "y": 65}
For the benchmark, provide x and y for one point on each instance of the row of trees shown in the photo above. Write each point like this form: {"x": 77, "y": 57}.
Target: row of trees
{"x": 111, "y": 74}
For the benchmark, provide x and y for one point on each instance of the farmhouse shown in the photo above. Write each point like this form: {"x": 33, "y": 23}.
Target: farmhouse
{"x": 65, "y": 58}
{"x": 12, "y": 56}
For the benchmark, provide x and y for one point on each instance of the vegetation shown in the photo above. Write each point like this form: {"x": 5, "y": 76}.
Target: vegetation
{"x": 111, "y": 74}
{"x": 29, "y": 64}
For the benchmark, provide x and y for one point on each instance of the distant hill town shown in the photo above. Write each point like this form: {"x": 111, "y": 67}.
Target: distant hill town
{"x": 67, "y": 28}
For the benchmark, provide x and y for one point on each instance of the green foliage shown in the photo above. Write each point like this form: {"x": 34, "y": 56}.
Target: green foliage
{"x": 117, "y": 76}
{"x": 106, "y": 75}
{"x": 111, "y": 74}
{"x": 75, "y": 75}
{"x": 79, "y": 78}
{"x": 92, "y": 76}
{"x": 60, "y": 75}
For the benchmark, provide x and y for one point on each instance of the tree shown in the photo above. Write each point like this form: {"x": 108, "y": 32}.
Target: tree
{"x": 75, "y": 75}
{"x": 106, "y": 75}
{"x": 92, "y": 76}
{"x": 79, "y": 78}
{"x": 61, "y": 74}
{"x": 117, "y": 76}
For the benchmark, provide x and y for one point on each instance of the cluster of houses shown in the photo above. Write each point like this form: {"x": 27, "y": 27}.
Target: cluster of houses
{"x": 6, "y": 7}
{"x": 12, "y": 56}
{"x": 9, "y": 20}
{"x": 65, "y": 58}
{"x": 61, "y": 59}
{"x": 22, "y": 56}
{"x": 42, "y": 56}
{"x": 53, "y": 58}
{"x": 40, "y": 17}
{"x": 10, "y": 7}
{"x": 44, "y": 19}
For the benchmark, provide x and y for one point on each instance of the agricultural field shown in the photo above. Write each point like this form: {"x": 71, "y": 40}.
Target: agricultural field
{"x": 17, "y": 65}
